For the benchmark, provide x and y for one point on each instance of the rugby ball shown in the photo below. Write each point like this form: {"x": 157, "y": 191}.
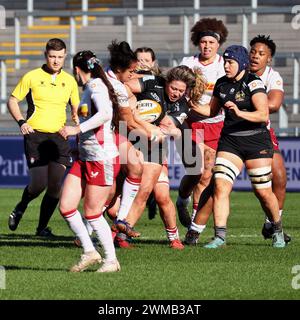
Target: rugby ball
{"x": 149, "y": 110}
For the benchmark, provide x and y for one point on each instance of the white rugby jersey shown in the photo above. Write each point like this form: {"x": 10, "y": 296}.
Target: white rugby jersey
{"x": 96, "y": 140}
{"x": 272, "y": 81}
{"x": 212, "y": 72}
{"x": 119, "y": 88}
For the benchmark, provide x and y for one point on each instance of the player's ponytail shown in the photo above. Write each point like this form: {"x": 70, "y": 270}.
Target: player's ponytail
{"x": 89, "y": 63}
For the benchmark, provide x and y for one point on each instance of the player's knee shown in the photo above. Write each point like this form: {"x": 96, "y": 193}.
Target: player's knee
{"x": 162, "y": 198}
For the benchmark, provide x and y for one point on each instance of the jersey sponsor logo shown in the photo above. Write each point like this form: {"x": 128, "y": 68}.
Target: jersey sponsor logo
{"x": 94, "y": 174}
{"x": 155, "y": 96}
{"x": 240, "y": 96}
{"x": 122, "y": 100}
{"x": 210, "y": 86}
{"x": 148, "y": 77}
{"x": 256, "y": 84}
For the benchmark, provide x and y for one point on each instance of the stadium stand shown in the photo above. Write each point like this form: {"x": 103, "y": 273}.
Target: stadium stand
{"x": 163, "y": 33}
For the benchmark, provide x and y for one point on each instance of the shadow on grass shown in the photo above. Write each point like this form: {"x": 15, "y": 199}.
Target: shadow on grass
{"x": 46, "y": 269}
{"x": 149, "y": 241}
{"x": 12, "y": 267}
{"x": 26, "y": 240}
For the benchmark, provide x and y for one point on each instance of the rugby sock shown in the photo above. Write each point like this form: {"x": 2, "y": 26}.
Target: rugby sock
{"x": 76, "y": 224}
{"x": 88, "y": 226}
{"x": 195, "y": 207}
{"x": 172, "y": 233}
{"x": 197, "y": 227}
{"x": 268, "y": 223}
{"x": 103, "y": 232}
{"x": 277, "y": 226}
{"x": 183, "y": 201}
{"x": 26, "y": 198}
{"x": 220, "y": 232}
{"x": 129, "y": 191}
{"x": 48, "y": 206}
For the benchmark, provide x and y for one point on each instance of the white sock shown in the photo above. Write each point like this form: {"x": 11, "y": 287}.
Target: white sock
{"x": 129, "y": 191}
{"x": 77, "y": 226}
{"x": 193, "y": 215}
{"x": 172, "y": 233}
{"x": 195, "y": 207}
{"x": 197, "y": 227}
{"x": 103, "y": 232}
{"x": 88, "y": 226}
{"x": 280, "y": 212}
{"x": 184, "y": 201}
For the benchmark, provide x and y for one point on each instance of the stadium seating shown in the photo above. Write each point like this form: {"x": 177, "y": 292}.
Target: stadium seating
{"x": 161, "y": 33}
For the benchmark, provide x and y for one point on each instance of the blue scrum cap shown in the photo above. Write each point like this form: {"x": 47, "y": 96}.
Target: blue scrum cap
{"x": 239, "y": 54}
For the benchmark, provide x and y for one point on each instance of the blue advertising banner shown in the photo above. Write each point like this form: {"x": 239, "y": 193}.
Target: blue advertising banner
{"x": 290, "y": 148}
{"x": 14, "y": 172}
{"x": 13, "y": 165}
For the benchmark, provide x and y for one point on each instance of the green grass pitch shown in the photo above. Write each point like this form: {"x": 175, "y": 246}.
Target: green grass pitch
{"x": 247, "y": 268}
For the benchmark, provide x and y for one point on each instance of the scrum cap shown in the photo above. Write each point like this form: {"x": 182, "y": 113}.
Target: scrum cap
{"x": 239, "y": 54}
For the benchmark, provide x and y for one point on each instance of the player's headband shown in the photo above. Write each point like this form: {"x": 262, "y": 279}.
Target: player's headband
{"x": 211, "y": 34}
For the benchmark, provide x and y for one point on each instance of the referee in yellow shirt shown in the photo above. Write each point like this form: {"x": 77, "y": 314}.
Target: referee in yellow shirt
{"x": 48, "y": 90}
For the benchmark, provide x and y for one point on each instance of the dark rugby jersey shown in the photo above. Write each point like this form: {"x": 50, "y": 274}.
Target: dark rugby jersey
{"x": 153, "y": 88}
{"x": 177, "y": 110}
{"x": 240, "y": 93}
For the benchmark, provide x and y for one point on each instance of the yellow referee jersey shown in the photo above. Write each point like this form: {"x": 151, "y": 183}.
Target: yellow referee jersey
{"x": 47, "y": 98}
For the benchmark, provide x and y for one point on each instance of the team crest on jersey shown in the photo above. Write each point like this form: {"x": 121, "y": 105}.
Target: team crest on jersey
{"x": 240, "y": 96}
{"x": 42, "y": 84}
{"x": 232, "y": 90}
{"x": 63, "y": 84}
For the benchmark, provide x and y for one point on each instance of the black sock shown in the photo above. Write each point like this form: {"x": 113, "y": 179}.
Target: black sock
{"x": 26, "y": 198}
{"x": 48, "y": 206}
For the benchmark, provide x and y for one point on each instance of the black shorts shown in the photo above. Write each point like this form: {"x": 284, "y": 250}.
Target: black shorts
{"x": 248, "y": 147}
{"x": 42, "y": 148}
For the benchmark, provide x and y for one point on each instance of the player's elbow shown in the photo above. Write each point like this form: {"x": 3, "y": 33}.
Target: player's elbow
{"x": 264, "y": 116}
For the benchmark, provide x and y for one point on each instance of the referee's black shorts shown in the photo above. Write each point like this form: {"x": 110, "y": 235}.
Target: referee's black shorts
{"x": 42, "y": 148}
{"x": 256, "y": 146}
